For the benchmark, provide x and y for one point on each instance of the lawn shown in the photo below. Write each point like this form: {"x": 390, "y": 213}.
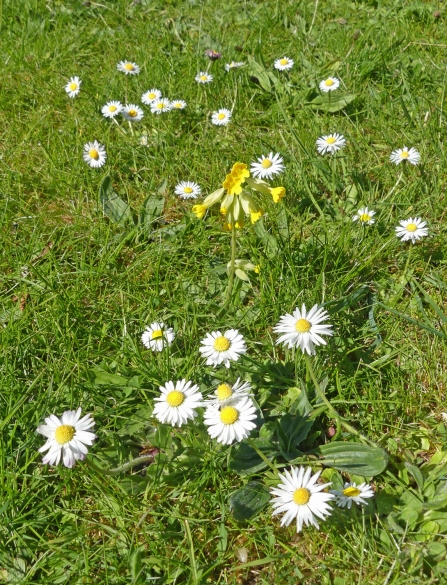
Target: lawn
{"x": 91, "y": 257}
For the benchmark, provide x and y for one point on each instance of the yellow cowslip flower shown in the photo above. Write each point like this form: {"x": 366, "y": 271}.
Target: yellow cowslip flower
{"x": 235, "y": 179}
{"x": 199, "y": 210}
{"x": 264, "y": 188}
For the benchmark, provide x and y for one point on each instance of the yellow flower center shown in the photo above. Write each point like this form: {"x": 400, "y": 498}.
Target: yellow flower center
{"x": 64, "y": 433}
{"x": 220, "y": 116}
{"x": 221, "y": 343}
{"x": 351, "y": 492}
{"x": 404, "y": 154}
{"x": 112, "y": 108}
{"x": 132, "y": 113}
{"x": 266, "y": 163}
{"x": 203, "y": 78}
{"x": 303, "y": 326}
{"x": 365, "y": 217}
{"x": 93, "y": 154}
{"x": 187, "y": 190}
{"x": 157, "y": 334}
{"x": 151, "y": 96}
{"x": 301, "y": 496}
{"x": 330, "y": 140}
{"x": 224, "y": 391}
{"x": 73, "y": 86}
{"x": 160, "y": 106}
{"x": 412, "y": 227}
{"x": 178, "y": 105}
{"x": 128, "y": 67}
{"x": 283, "y": 61}
{"x": 229, "y": 415}
{"x": 175, "y": 398}
{"x": 329, "y": 82}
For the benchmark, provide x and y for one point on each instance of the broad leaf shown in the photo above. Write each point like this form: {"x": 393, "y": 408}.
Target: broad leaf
{"x": 329, "y": 102}
{"x": 248, "y": 500}
{"x": 292, "y": 430}
{"x": 151, "y": 210}
{"x": 113, "y": 206}
{"x": 244, "y": 459}
{"x": 354, "y": 458}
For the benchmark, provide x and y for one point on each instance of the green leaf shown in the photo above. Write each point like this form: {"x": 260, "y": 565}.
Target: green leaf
{"x": 248, "y": 500}
{"x": 294, "y": 429}
{"x": 99, "y": 377}
{"x": 244, "y": 459}
{"x": 354, "y": 458}
{"x": 258, "y": 71}
{"x": 139, "y": 420}
{"x": 270, "y": 242}
{"x": 113, "y": 206}
{"x": 417, "y": 475}
{"x": 151, "y": 210}
{"x": 329, "y": 102}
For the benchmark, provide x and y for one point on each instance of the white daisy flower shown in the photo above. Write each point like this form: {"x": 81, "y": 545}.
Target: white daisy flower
{"x": 132, "y": 112}
{"x": 330, "y": 143}
{"x": 231, "y": 422}
{"x": 329, "y": 84}
{"x": 161, "y": 106}
{"x": 303, "y": 329}
{"x": 149, "y": 96}
{"x": 352, "y": 493}
{"x": 268, "y": 166}
{"x": 411, "y": 229}
{"x": 177, "y": 403}
{"x": 221, "y": 349}
{"x": 226, "y": 393}
{"x": 221, "y": 117}
{"x": 284, "y": 64}
{"x": 67, "y": 437}
{"x": 411, "y": 155}
{"x": 128, "y": 67}
{"x": 178, "y": 105}
{"x": 301, "y": 497}
{"x": 364, "y": 216}
{"x": 203, "y": 77}
{"x": 94, "y": 154}
{"x": 73, "y": 87}
{"x": 157, "y": 336}
{"x": 188, "y": 190}
{"x": 111, "y": 109}
{"x": 234, "y": 65}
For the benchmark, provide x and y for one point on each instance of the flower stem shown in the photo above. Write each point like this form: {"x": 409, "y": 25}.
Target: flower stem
{"x": 261, "y": 455}
{"x": 232, "y": 265}
{"x": 329, "y": 406}
{"x": 121, "y": 468}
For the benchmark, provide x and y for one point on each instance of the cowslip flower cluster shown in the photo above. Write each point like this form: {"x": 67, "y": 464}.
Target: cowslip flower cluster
{"x": 235, "y": 200}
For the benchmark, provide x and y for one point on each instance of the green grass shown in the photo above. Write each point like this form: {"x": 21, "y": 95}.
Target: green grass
{"x": 78, "y": 290}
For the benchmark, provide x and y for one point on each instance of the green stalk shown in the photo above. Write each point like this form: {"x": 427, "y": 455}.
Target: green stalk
{"x": 261, "y": 455}
{"x": 232, "y": 265}
{"x": 329, "y": 406}
{"x": 121, "y": 468}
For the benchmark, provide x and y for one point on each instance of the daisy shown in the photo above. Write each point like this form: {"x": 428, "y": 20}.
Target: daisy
{"x": 301, "y": 497}
{"x": 234, "y": 65}
{"x": 220, "y": 349}
{"x": 364, "y": 216}
{"x": 329, "y": 84}
{"x": 352, "y": 493}
{"x": 203, "y": 77}
{"x": 157, "y": 336}
{"x": 149, "y": 96}
{"x": 187, "y": 190}
{"x": 411, "y": 155}
{"x": 132, "y": 113}
{"x": 330, "y": 143}
{"x": 160, "y": 106}
{"x": 221, "y": 117}
{"x": 67, "y": 437}
{"x": 231, "y": 422}
{"x": 303, "y": 329}
{"x": 73, "y": 87}
{"x": 111, "y": 109}
{"x": 178, "y": 105}
{"x": 128, "y": 68}
{"x": 267, "y": 166}
{"x": 284, "y": 64}
{"x": 411, "y": 229}
{"x": 177, "y": 403}
{"x": 226, "y": 393}
{"x": 94, "y": 154}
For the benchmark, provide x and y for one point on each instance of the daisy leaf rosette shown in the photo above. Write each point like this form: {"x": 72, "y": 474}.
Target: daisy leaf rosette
{"x": 236, "y": 201}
